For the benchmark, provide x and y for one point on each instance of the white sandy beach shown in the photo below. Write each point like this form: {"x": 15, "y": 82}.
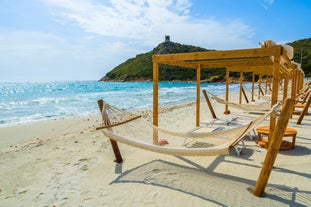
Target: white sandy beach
{"x": 69, "y": 163}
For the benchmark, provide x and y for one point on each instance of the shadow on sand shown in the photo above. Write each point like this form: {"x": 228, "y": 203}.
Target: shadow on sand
{"x": 218, "y": 188}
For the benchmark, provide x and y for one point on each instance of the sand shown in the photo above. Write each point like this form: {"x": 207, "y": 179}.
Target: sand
{"x": 69, "y": 163}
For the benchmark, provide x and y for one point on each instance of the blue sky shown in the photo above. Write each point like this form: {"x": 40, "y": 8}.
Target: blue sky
{"x": 56, "y": 40}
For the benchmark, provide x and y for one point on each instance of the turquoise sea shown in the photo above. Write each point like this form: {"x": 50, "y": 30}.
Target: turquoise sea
{"x": 22, "y": 103}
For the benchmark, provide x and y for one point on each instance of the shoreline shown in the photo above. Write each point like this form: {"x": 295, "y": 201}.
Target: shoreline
{"x": 27, "y": 132}
{"x": 19, "y": 134}
{"x": 65, "y": 103}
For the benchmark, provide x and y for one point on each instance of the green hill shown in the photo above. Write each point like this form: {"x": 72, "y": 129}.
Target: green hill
{"x": 302, "y": 51}
{"x": 139, "y": 68}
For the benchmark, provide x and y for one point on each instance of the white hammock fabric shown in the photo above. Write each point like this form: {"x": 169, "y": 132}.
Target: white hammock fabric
{"x": 139, "y": 133}
{"x": 246, "y": 107}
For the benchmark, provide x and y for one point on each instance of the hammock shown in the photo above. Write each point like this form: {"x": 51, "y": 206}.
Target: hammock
{"x": 246, "y": 107}
{"x": 135, "y": 131}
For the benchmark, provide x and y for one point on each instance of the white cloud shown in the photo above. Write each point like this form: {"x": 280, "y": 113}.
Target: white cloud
{"x": 266, "y": 3}
{"x": 147, "y": 21}
{"x": 112, "y": 31}
{"x": 34, "y": 55}
{"x": 269, "y": 2}
{"x": 28, "y": 43}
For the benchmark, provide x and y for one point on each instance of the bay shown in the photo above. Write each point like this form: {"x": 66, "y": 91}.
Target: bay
{"x": 22, "y": 103}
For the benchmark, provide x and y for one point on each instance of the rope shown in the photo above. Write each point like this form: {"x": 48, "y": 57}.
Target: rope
{"x": 135, "y": 132}
{"x": 246, "y": 107}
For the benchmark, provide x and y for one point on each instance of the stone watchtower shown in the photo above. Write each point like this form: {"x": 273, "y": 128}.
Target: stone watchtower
{"x": 167, "y": 38}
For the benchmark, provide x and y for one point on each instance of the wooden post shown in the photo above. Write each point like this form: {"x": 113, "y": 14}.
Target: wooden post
{"x": 259, "y": 86}
{"x": 306, "y": 95}
{"x": 285, "y": 87}
{"x": 241, "y": 87}
{"x": 209, "y": 104}
{"x": 198, "y": 100}
{"x": 155, "y": 100}
{"x": 245, "y": 96}
{"x": 253, "y": 86}
{"x": 275, "y": 90}
{"x": 266, "y": 89}
{"x": 113, "y": 143}
{"x": 301, "y": 79}
{"x": 297, "y": 80}
{"x": 273, "y": 148}
{"x": 293, "y": 89}
{"x": 227, "y": 92}
{"x": 261, "y": 91}
{"x": 304, "y": 111}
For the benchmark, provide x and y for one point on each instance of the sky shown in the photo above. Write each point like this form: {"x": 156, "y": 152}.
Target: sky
{"x": 60, "y": 40}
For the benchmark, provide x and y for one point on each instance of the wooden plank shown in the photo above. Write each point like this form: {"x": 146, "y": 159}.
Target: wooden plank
{"x": 302, "y": 77}
{"x": 241, "y": 87}
{"x": 259, "y": 85}
{"x": 304, "y": 111}
{"x": 198, "y": 101}
{"x": 285, "y": 70}
{"x": 190, "y": 65}
{"x": 227, "y": 93}
{"x": 253, "y": 86}
{"x": 306, "y": 95}
{"x": 273, "y": 148}
{"x": 155, "y": 100}
{"x": 219, "y": 54}
{"x": 245, "y": 96}
{"x": 293, "y": 89}
{"x": 297, "y": 82}
{"x": 275, "y": 91}
{"x": 265, "y": 70}
{"x": 222, "y": 63}
{"x": 247, "y": 62}
{"x": 209, "y": 104}
{"x": 285, "y": 87}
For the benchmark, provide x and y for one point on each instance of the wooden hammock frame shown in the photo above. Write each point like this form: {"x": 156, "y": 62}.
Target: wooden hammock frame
{"x": 238, "y": 106}
{"x": 268, "y": 163}
{"x": 270, "y": 59}
{"x": 211, "y": 151}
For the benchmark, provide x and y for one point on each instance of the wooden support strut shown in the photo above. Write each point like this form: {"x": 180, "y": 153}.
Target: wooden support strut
{"x": 304, "y": 111}
{"x": 273, "y": 149}
{"x": 113, "y": 143}
{"x": 259, "y": 86}
{"x": 285, "y": 87}
{"x": 209, "y": 104}
{"x": 244, "y": 94}
{"x": 155, "y": 100}
{"x": 227, "y": 111}
{"x": 197, "y": 123}
{"x": 241, "y": 87}
{"x": 253, "y": 86}
{"x": 275, "y": 89}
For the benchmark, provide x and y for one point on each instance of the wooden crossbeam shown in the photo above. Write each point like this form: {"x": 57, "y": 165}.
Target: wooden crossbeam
{"x": 246, "y": 63}
{"x": 219, "y": 54}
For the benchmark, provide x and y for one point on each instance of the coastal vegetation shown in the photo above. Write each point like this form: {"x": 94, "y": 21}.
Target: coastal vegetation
{"x": 139, "y": 68}
{"x": 302, "y": 54}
